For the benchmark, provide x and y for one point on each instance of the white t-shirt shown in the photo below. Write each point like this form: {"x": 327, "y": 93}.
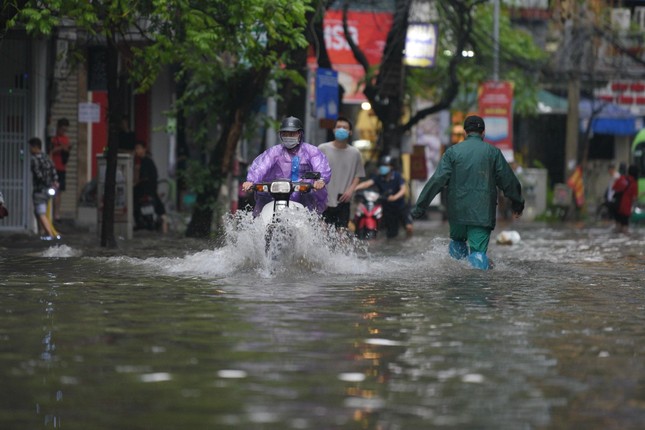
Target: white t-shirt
{"x": 346, "y": 164}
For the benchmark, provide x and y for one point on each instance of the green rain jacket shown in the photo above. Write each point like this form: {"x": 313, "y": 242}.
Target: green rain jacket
{"x": 472, "y": 170}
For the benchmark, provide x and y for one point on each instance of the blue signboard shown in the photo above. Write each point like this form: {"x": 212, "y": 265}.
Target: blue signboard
{"x": 326, "y": 94}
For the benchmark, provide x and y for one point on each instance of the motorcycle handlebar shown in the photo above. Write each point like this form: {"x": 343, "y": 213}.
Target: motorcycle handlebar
{"x": 265, "y": 187}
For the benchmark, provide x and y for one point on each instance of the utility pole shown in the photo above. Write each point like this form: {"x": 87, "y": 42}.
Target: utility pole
{"x": 574, "y": 48}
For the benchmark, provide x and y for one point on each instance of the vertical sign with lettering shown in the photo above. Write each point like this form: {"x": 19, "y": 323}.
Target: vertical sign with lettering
{"x": 496, "y": 107}
{"x": 326, "y": 94}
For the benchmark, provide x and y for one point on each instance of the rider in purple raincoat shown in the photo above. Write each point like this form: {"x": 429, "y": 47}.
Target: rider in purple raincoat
{"x": 290, "y": 160}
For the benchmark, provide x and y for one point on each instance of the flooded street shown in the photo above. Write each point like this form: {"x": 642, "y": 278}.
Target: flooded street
{"x": 169, "y": 333}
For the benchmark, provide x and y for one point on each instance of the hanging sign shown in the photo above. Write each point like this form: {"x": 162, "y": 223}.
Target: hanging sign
{"x": 326, "y": 94}
{"x": 421, "y": 45}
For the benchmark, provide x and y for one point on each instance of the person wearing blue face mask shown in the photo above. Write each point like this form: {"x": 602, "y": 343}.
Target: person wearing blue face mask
{"x": 346, "y": 172}
{"x": 392, "y": 187}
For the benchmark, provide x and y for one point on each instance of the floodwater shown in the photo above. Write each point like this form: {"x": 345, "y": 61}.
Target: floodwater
{"x": 167, "y": 333}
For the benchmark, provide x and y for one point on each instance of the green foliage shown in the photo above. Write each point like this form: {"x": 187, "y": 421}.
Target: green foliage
{"x": 214, "y": 45}
{"x": 218, "y": 48}
{"x": 200, "y": 178}
{"x": 520, "y": 58}
{"x": 42, "y": 17}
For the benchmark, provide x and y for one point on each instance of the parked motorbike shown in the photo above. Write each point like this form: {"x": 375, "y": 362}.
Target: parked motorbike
{"x": 149, "y": 213}
{"x": 277, "y": 216}
{"x": 147, "y": 218}
{"x": 368, "y": 214}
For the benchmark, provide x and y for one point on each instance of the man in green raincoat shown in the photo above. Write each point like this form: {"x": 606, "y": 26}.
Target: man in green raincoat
{"x": 472, "y": 170}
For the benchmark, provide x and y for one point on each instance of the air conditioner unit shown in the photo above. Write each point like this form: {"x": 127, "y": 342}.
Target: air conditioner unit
{"x": 620, "y": 17}
{"x": 639, "y": 16}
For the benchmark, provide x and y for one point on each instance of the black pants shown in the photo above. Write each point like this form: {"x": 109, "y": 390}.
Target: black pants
{"x": 337, "y": 216}
{"x": 395, "y": 216}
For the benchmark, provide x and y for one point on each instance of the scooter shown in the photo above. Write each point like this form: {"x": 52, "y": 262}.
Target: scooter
{"x": 147, "y": 218}
{"x": 276, "y": 216}
{"x": 368, "y": 215}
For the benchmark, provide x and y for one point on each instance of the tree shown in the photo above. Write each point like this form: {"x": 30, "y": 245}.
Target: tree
{"x": 463, "y": 25}
{"x": 223, "y": 55}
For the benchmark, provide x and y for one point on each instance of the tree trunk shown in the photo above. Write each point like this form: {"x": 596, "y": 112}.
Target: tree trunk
{"x": 220, "y": 166}
{"x": 386, "y": 94}
{"x": 248, "y": 86}
{"x": 391, "y": 79}
{"x": 202, "y": 217}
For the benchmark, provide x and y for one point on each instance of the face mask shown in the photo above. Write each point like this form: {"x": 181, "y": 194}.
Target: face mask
{"x": 384, "y": 170}
{"x": 290, "y": 142}
{"x": 341, "y": 134}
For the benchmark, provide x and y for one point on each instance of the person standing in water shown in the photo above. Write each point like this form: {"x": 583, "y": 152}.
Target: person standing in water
{"x": 347, "y": 170}
{"x": 472, "y": 170}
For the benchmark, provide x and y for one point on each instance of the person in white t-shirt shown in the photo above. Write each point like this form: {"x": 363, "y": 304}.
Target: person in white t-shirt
{"x": 346, "y": 172}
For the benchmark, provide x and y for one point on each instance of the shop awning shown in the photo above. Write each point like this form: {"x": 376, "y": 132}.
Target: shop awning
{"x": 549, "y": 103}
{"x": 608, "y": 118}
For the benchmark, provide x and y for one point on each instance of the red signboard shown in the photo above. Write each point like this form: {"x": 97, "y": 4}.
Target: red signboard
{"x": 368, "y": 29}
{"x": 496, "y": 107}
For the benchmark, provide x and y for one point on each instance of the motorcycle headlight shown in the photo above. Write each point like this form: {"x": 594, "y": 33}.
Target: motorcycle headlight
{"x": 280, "y": 187}
{"x": 51, "y": 191}
{"x": 371, "y": 196}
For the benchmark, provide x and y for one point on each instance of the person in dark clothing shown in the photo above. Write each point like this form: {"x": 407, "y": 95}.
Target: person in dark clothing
{"x": 472, "y": 170}
{"x": 44, "y": 182}
{"x": 145, "y": 187}
{"x": 392, "y": 188}
{"x": 127, "y": 137}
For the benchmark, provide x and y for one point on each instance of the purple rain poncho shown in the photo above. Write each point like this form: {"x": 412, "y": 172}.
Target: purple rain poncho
{"x": 276, "y": 163}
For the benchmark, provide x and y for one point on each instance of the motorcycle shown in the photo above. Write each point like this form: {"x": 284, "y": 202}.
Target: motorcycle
{"x": 368, "y": 215}
{"x": 149, "y": 214}
{"x": 277, "y": 216}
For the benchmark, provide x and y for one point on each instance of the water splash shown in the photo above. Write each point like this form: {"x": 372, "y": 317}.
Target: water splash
{"x": 301, "y": 244}
{"x": 61, "y": 251}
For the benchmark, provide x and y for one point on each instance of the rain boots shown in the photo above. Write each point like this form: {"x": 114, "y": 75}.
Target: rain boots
{"x": 459, "y": 251}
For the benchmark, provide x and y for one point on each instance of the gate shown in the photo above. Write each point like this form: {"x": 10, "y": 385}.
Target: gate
{"x": 14, "y": 158}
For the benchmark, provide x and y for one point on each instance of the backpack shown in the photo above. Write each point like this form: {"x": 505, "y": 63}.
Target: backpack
{"x": 48, "y": 172}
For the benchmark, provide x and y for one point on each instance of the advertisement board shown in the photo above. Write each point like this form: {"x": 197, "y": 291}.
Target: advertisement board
{"x": 368, "y": 29}
{"x": 496, "y": 107}
{"x": 326, "y": 94}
